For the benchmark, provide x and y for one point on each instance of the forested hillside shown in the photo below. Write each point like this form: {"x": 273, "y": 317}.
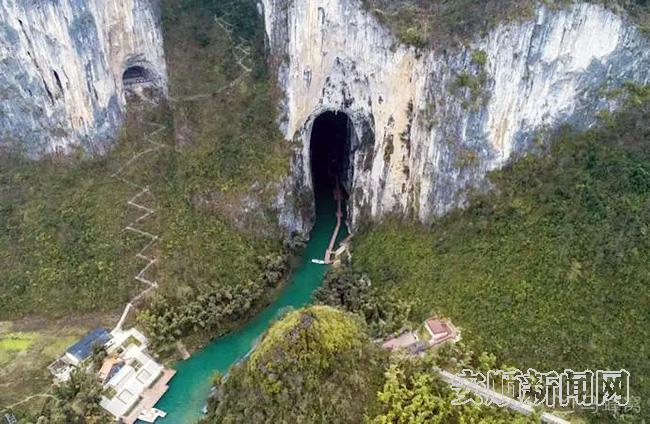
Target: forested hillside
{"x": 318, "y": 365}
{"x": 550, "y": 269}
{"x": 63, "y": 246}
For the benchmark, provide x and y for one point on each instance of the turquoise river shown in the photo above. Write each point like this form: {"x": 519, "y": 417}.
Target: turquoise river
{"x": 190, "y": 387}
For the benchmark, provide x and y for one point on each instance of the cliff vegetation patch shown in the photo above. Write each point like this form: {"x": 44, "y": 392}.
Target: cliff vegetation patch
{"x": 443, "y": 24}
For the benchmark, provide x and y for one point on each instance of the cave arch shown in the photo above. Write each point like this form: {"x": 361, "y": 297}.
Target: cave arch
{"x": 353, "y": 144}
{"x": 137, "y": 75}
{"x": 330, "y": 151}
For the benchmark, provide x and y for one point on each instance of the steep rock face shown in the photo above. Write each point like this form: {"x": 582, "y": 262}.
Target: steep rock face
{"x": 428, "y": 125}
{"x": 61, "y": 67}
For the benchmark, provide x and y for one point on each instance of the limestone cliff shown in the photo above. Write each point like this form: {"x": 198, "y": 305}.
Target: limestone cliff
{"x": 430, "y": 124}
{"x": 61, "y": 67}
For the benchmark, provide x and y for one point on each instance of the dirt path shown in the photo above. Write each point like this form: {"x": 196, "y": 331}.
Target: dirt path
{"x": 28, "y": 398}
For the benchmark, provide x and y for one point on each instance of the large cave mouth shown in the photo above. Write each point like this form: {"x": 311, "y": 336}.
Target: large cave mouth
{"x": 329, "y": 153}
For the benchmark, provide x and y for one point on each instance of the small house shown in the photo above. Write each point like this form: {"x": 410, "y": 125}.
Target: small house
{"x": 77, "y": 354}
{"x": 133, "y": 381}
{"x": 83, "y": 349}
{"x": 440, "y": 331}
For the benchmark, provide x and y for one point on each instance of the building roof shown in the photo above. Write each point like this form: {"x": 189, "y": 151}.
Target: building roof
{"x": 10, "y": 418}
{"x": 139, "y": 372}
{"x": 438, "y": 327}
{"x": 84, "y": 347}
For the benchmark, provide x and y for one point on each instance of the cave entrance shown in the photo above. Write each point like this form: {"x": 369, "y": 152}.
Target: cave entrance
{"x": 331, "y": 175}
{"x": 330, "y": 153}
{"x": 135, "y": 75}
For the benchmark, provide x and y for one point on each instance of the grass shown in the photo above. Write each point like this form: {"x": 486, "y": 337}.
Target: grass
{"x": 24, "y": 357}
{"x": 12, "y": 344}
{"x": 548, "y": 272}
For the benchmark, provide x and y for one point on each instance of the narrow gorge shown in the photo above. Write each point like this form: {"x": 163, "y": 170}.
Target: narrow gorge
{"x": 310, "y": 210}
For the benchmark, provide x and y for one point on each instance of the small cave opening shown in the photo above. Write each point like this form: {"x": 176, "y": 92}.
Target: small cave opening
{"x": 136, "y": 75}
{"x": 140, "y": 82}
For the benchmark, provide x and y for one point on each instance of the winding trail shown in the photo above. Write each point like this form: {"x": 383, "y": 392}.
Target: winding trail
{"x": 146, "y": 212}
{"x": 243, "y": 56}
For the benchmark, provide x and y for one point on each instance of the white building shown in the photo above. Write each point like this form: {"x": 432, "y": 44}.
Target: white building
{"x": 133, "y": 380}
{"x": 78, "y": 354}
{"x": 138, "y": 372}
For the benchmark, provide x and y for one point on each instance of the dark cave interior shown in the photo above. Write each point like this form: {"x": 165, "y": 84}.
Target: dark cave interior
{"x": 330, "y": 151}
{"x": 136, "y": 75}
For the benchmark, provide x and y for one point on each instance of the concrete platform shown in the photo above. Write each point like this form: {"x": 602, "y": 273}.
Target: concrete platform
{"x": 151, "y": 396}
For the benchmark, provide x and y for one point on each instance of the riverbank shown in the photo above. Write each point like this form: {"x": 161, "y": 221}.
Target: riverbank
{"x": 190, "y": 387}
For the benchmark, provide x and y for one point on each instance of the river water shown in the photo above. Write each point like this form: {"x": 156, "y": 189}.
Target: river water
{"x": 190, "y": 387}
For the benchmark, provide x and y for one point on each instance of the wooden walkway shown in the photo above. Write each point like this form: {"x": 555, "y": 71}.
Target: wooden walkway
{"x": 244, "y": 58}
{"x": 338, "y": 196}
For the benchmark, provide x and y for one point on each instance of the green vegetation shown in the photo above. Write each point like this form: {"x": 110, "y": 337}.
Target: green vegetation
{"x": 480, "y": 58}
{"x": 76, "y": 400}
{"x": 224, "y": 299}
{"x": 230, "y": 126}
{"x": 214, "y": 273}
{"x": 413, "y": 394}
{"x": 318, "y": 365}
{"x": 352, "y": 292}
{"x": 448, "y": 23}
{"x": 315, "y": 365}
{"x": 11, "y": 344}
{"x": 62, "y": 242}
{"x": 59, "y": 244}
{"x": 470, "y": 86}
{"x": 474, "y": 85}
{"x": 24, "y": 357}
{"x": 551, "y": 271}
